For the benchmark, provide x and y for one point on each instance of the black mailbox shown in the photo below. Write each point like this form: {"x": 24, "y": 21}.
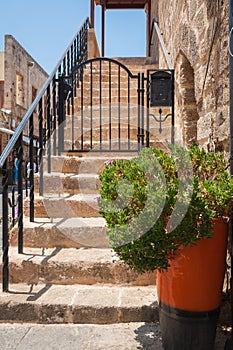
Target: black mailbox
{"x": 161, "y": 89}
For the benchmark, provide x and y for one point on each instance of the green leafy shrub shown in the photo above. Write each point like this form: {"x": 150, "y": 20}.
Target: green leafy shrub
{"x": 159, "y": 201}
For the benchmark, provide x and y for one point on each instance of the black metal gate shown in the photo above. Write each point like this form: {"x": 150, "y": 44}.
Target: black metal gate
{"x": 103, "y": 106}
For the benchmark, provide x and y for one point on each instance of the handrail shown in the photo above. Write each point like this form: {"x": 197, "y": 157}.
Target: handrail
{"x": 155, "y": 27}
{"x": 9, "y": 147}
{"x": 50, "y": 113}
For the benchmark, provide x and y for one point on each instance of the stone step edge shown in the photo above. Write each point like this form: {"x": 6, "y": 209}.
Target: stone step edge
{"x": 57, "y": 205}
{"x": 98, "y": 304}
{"x": 70, "y": 266}
{"x": 63, "y": 233}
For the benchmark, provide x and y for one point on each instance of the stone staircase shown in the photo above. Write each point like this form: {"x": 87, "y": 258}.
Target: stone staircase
{"x": 67, "y": 272}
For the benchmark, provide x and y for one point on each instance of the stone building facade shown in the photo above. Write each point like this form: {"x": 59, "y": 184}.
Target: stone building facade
{"x": 21, "y": 78}
{"x": 195, "y": 33}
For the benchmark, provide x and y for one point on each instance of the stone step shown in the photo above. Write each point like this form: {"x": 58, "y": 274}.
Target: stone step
{"x": 113, "y": 89}
{"x": 114, "y": 116}
{"x": 79, "y": 133}
{"x": 122, "y": 144}
{"x": 83, "y": 163}
{"x": 106, "y": 100}
{"x": 66, "y": 206}
{"x": 68, "y": 183}
{"x": 63, "y": 233}
{"x": 83, "y": 304}
{"x": 127, "y": 131}
{"x": 73, "y": 266}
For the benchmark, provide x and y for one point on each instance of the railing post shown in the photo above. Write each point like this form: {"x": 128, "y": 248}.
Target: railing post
{"x": 173, "y": 108}
{"x": 31, "y": 174}
{"x": 139, "y": 111}
{"x": 61, "y": 117}
{"x": 41, "y": 136}
{"x": 5, "y": 245}
{"x": 54, "y": 114}
{"x": 20, "y": 193}
{"x": 48, "y": 131}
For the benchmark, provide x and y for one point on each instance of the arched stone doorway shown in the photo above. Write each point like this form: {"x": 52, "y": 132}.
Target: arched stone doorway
{"x": 186, "y": 115}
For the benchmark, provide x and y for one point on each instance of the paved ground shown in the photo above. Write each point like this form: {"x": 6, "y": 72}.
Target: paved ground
{"x": 85, "y": 337}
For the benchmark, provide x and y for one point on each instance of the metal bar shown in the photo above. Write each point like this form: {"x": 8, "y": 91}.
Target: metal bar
{"x": 54, "y": 99}
{"x": 119, "y": 107}
{"x": 5, "y": 244}
{"x": 64, "y": 65}
{"x": 229, "y": 343}
{"x": 31, "y": 176}
{"x": 139, "y": 110}
{"x": 75, "y": 50}
{"x": 68, "y": 62}
{"x": 41, "y": 134}
{"x": 60, "y": 114}
{"x": 82, "y": 116}
{"x": 165, "y": 53}
{"x": 71, "y": 58}
{"x": 142, "y": 110}
{"x": 91, "y": 107}
{"x": 129, "y": 112}
{"x": 173, "y": 110}
{"x": 148, "y": 111}
{"x": 110, "y": 103}
{"x": 100, "y": 88}
{"x": 48, "y": 131}
{"x": 13, "y": 205}
{"x": 72, "y": 110}
{"x": 20, "y": 194}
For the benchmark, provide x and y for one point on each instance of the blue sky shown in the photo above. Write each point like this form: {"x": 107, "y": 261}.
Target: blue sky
{"x": 46, "y": 27}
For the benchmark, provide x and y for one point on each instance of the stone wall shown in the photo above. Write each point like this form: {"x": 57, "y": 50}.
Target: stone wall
{"x": 195, "y": 33}
{"x": 19, "y": 64}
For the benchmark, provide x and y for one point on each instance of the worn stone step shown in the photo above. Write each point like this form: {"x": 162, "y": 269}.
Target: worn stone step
{"x": 69, "y": 266}
{"x": 95, "y": 304}
{"x": 122, "y": 144}
{"x": 63, "y": 233}
{"x": 106, "y": 99}
{"x": 66, "y": 206}
{"x": 93, "y": 120}
{"x": 106, "y": 130}
{"x": 83, "y": 163}
{"x": 68, "y": 183}
{"x": 108, "y": 89}
{"x": 110, "y": 109}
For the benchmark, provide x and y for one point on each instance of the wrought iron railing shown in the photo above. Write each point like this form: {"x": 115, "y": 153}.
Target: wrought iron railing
{"x": 43, "y": 114}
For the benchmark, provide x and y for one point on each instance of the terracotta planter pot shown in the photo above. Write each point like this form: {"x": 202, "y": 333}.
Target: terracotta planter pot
{"x": 190, "y": 293}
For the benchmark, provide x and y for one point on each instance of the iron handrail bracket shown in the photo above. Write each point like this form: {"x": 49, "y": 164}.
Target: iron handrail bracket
{"x": 155, "y": 27}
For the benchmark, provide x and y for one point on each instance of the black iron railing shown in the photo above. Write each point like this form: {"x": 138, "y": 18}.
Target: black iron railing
{"x": 43, "y": 115}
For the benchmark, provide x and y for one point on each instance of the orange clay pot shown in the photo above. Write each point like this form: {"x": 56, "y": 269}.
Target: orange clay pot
{"x": 189, "y": 293}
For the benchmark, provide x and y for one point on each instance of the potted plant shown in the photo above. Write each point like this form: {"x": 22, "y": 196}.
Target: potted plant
{"x": 168, "y": 211}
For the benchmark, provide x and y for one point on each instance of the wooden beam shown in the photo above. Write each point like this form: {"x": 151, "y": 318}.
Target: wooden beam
{"x": 92, "y": 14}
{"x": 148, "y": 51}
{"x": 103, "y": 29}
